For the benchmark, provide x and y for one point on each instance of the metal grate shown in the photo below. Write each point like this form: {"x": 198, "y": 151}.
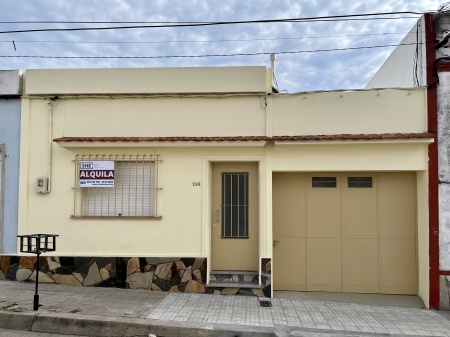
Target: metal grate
{"x": 235, "y": 204}
{"x": 133, "y": 193}
{"x": 265, "y": 303}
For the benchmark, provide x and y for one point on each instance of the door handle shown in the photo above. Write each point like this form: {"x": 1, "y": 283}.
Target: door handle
{"x": 275, "y": 242}
{"x": 217, "y": 222}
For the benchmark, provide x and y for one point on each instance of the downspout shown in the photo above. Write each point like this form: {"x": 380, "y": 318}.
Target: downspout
{"x": 273, "y": 58}
{"x": 433, "y": 174}
{"x": 51, "y": 104}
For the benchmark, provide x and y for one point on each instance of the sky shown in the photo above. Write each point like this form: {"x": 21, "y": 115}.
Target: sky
{"x": 301, "y": 63}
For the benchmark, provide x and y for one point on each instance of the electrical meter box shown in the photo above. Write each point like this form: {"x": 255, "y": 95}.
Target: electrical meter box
{"x": 41, "y": 185}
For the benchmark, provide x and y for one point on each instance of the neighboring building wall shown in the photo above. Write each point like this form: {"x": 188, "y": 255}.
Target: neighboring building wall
{"x": 442, "y": 25}
{"x": 404, "y": 66}
{"x": 444, "y": 169}
{"x": 10, "y": 138}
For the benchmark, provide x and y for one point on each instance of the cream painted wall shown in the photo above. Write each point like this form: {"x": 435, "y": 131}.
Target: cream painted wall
{"x": 347, "y": 112}
{"x": 362, "y": 156}
{"x": 147, "y": 80}
{"x": 184, "y": 227}
{"x": 358, "y": 157}
{"x": 178, "y": 233}
{"x": 423, "y": 237}
{"x": 171, "y": 117}
{"x": 158, "y": 117}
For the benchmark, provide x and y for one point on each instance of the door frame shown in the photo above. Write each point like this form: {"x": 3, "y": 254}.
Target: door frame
{"x": 207, "y": 203}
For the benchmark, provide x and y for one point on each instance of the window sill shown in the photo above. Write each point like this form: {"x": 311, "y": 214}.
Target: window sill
{"x": 115, "y": 217}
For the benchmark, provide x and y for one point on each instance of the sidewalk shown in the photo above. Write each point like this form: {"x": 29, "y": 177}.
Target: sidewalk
{"x": 119, "y": 312}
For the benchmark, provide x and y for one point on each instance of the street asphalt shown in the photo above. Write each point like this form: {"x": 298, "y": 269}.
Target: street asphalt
{"x": 91, "y": 311}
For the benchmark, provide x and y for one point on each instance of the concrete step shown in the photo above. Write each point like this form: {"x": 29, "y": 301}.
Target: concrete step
{"x": 239, "y": 276}
{"x": 231, "y": 284}
{"x": 234, "y": 272}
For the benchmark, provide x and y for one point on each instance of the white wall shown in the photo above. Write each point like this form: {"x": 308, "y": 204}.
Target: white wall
{"x": 444, "y": 170}
{"x": 10, "y": 82}
{"x": 405, "y": 60}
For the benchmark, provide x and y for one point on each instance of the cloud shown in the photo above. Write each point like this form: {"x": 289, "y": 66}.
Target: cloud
{"x": 295, "y": 72}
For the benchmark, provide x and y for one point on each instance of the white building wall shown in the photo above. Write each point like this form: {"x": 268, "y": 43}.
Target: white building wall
{"x": 444, "y": 170}
{"x": 404, "y": 63}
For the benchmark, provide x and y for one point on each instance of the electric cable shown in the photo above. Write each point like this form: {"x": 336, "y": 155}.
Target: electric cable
{"x": 373, "y": 16}
{"x": 204, "y": 41}
{"x": 221, "y": 22}
{"x": 436, "y": 73}
{"x": 205, "y": 55}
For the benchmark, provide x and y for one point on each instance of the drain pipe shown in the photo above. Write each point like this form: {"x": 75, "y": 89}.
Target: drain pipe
{"x": 273, "y": 58}
{"x": 51, "y": 104}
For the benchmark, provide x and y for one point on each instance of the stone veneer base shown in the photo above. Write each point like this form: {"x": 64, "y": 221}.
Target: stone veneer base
{"x": 178, "y": 274}
{"x": 444, "y": 287}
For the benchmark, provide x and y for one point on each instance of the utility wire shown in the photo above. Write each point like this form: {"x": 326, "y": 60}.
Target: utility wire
{"x": 217, "y": 22}
{"x": 205, "y": 41}
{"x": 373, "y": 16}
{"x": 204, "y": 56}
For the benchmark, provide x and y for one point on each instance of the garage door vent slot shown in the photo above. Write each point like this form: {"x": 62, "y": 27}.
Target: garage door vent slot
{"x": 360, "y": 182}
{"x": 324, "y": 182}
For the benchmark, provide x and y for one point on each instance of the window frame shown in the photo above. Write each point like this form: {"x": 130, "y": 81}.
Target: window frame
{"x": 79, "y": 207}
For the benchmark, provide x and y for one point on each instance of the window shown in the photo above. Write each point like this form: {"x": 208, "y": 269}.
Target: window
{"x": 323, "y": 182}
{"x": 235, "y": 205}
{"x": 129, "y": 191}
{"x": 359, "y": 182}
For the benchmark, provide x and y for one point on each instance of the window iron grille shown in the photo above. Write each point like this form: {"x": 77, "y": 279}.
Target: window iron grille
{"x": 235, "y": 205}
{"x": 134, "y": 193}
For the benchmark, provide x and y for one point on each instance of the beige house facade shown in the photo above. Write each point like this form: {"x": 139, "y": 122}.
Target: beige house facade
{"x": 208, "y": 180}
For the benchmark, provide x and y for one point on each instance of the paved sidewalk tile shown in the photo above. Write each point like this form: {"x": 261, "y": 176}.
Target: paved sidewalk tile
{"x": 215, "y": 309}
{"x": 306, "y": 314}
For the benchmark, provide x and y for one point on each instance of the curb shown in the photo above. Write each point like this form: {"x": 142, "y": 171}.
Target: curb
{"x": 16, "y": 320}
{"x": 106, "y": 326}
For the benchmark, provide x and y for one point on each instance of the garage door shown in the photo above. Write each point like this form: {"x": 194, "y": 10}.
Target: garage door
{"x": 345, "y": 232}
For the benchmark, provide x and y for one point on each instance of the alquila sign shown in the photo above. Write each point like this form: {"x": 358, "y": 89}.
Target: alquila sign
{"x": 96, "y": 173}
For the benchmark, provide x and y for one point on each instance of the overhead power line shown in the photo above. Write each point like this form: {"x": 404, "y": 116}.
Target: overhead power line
{"x": 204, "y": 22}
{"x": 370, "y": 16}
{"x": 205, "y": 41}
{"x": 205, "y": 55}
